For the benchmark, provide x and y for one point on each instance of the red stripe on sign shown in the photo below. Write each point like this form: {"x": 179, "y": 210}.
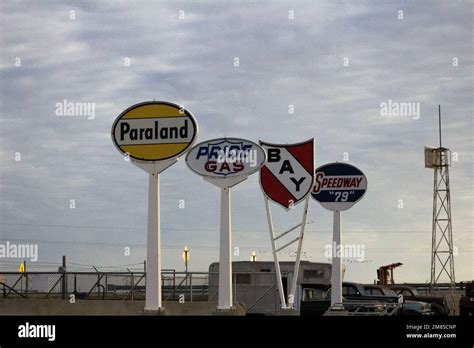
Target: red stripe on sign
{"x": 304, "y": 154}
{"x": 274, "y": 189}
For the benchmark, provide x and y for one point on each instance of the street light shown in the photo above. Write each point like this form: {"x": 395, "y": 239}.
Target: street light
{"x": 254, "y": 256}
{"x": 186, "y": 257}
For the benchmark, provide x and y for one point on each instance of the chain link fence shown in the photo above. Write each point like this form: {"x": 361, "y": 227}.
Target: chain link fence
{"x": 176, "y": 286}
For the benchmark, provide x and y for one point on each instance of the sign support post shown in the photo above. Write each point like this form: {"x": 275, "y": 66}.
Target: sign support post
{"x": 338, "y": 187}
{"x": 336, "y": 272}
{"x": 153, "y": 249}
{"x": 225, "y": 256}
{"x": 275, "y": 256}
{"x": 225, "y": 162}
{"x": 287, "y": 178}
{"x": 152, "y": 135}
{"x": 298, "y": 253}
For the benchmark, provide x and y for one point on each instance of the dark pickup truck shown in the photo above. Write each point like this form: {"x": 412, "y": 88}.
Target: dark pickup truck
{"x": 409, "y": 307}
{"x": 316, "y": 301}
{"x": 466, "y": 302}
{"x": 438, "y": 303}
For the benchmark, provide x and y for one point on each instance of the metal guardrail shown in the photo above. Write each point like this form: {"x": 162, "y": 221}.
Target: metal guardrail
{"x": 353, "y": 308}
{"x": 101, "y": 285}
{"x": 176, "y": 286}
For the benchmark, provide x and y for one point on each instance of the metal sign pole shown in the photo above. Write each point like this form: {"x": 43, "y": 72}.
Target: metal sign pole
{"x": 336, "y": 276}
{"x": 153, "y": 257}
{"x": 224, "y": 175}
{"x": 225, "y": 257}
{"x": 138, "y": 134}
{"x": 338, "y": 187}
{"x": 275, "y": 256}
{"x": 298, "y": 254}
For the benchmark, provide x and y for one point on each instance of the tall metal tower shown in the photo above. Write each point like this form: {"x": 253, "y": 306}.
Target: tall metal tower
{"x": 442, "y": 259}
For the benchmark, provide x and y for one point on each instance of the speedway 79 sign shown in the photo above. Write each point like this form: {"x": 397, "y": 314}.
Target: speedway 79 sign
{"x": 338, "y": 186}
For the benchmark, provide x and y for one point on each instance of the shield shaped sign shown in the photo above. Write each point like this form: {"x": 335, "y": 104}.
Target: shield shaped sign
{"x": 287, "y": 176}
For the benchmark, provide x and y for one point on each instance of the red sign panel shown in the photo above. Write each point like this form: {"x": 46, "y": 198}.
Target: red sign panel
{"x": 287, "y": 175}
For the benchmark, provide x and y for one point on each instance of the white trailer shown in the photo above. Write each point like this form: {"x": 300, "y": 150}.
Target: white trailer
{"x": 255, "y": 283}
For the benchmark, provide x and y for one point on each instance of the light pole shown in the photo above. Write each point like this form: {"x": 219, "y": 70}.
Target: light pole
{"x": 254, "y": 256}
{"x": 186, "y": 258}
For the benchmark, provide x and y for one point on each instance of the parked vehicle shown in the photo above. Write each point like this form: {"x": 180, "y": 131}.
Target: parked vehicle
{"x": 409, "y": 307}
{"x": 438, "y": 303}
{"x": 355, "y": 298}
{"x": 466, "y": 302}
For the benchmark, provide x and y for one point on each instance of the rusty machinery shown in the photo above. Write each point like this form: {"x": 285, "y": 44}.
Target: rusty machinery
{"x": 385, "y": 274}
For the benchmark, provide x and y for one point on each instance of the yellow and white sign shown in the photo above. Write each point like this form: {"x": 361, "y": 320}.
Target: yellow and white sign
{"x": 154, "y": 131}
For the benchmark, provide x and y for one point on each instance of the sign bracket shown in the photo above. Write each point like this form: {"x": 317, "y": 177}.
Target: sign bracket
{"x": 288, "y": 244}
{"x": 290, "y": 304}
{"x": 288, "y": 231}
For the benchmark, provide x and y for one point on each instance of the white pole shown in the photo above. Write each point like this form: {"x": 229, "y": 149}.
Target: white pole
{"x": 225, "y": 259}
{"x": 275, "y": 256}
{"x": 336, "y": 276}
{"x": 153, "y": 257}
{"x": 298, "y": 256}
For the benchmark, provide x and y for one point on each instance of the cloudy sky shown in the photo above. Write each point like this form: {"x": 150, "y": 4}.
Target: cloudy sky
{"x": 335, "y": 62}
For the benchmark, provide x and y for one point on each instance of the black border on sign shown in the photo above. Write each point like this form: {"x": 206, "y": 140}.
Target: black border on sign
{"x": 345, "y": 164}
{"x": 180, "y": 107}
{"x": 286, "y": 145}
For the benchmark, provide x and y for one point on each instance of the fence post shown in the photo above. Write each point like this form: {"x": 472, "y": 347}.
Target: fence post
{"x": 191, "y": 286}
{"x": 133, "y": 285}
{"x": 64, "y": 280}
{"x": 26, "y": 278}
{"x": 174, "y": 282}
{"x": 26, "y": 285}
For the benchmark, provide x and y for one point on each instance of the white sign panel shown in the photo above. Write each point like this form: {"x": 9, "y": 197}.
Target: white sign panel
{"x": 225, "y": 158}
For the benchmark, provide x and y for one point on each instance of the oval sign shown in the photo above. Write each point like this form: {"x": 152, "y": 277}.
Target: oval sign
{"x": 338, "y": 186}
{"x": 154, "y": 131}
{"x": 225, "y": 158}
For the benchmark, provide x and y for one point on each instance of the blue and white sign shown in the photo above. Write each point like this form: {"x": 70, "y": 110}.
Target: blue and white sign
{"x": 225, "y": 158}
{"x": 338, "y": 186}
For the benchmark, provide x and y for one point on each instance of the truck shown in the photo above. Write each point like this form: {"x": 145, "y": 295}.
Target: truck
{"x": 466, "y": 302}
{"x": 409, "y": 307}
{"x": 438, "y": 304}
{"x": 355, "y": 299}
